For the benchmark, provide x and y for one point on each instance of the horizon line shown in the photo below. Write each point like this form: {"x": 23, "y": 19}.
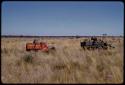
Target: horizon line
{"x": 57, "y": 35}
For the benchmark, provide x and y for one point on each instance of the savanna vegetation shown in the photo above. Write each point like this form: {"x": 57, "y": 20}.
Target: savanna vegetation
{"x": 69, "y": 63}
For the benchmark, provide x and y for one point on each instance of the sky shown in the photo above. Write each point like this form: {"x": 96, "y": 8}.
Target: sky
{"x": 62, "y": 18}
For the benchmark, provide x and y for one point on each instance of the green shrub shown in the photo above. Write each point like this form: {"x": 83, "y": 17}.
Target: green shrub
{"x": 28, "y": 58}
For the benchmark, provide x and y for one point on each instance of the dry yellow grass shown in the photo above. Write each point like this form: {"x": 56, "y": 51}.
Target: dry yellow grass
{"x": 68, "y": 64}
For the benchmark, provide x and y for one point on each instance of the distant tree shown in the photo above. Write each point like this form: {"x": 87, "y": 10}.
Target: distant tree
{"x": 104, "y": 34}
{"x": 120, "y": 36}
{"x": 21, "y": 35}
{"x": 77, "y": 36}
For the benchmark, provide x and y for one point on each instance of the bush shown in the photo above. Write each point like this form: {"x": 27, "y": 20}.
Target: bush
{"x": 28, "y": 58}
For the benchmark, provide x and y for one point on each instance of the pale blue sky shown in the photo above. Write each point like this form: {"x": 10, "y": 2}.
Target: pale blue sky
{"x": 62, "y": 18}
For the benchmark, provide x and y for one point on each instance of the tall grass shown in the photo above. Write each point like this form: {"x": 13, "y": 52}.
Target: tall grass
{"x": 69, "y": 63}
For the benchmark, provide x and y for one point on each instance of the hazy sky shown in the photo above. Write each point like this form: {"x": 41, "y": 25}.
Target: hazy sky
{"x": 62, "y": 18}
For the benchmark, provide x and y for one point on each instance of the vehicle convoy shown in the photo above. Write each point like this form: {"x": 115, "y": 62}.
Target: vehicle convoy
{"x": 35, "y": 46}
{"x": 94, "y": 43}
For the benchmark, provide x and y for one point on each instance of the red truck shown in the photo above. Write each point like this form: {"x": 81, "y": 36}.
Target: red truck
{"x": 37, "y": 46}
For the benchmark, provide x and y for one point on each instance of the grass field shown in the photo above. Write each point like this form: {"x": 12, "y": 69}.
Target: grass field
{"x": 68, "y": 64}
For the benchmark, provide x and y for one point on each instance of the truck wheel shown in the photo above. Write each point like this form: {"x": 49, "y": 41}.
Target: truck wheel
{"x": 27, "y": 49}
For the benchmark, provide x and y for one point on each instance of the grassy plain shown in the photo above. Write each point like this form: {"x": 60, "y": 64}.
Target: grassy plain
{"x": 68, "y": 64}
